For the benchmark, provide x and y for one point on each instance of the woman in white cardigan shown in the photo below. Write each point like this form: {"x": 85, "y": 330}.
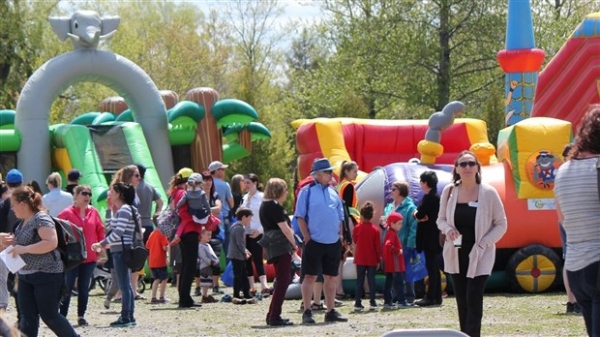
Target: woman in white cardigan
{"x": 471, "y": 212}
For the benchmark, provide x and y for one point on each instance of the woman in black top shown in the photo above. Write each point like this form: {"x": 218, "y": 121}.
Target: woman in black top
{"x": 428, "y": 237}
{"x": 274, "y": 218}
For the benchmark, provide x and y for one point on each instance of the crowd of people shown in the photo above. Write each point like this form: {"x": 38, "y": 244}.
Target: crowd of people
{"x": 457, "y": 228}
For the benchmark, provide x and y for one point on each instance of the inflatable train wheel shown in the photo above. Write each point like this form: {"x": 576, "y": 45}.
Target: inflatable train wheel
{"x": 533, "y": 269}
{"x": 443, "y": 281}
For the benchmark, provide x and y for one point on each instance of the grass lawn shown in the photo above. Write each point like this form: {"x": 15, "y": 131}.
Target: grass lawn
{"x": 504, "y": 315}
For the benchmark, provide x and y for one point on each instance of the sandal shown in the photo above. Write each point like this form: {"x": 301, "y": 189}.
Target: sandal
{"x": 317, "y": 307}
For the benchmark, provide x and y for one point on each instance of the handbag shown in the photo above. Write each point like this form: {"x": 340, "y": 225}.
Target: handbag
{"x": 442, "y": 238}
{"x": 135, "y": 256}
{"x": 415, "y": 265}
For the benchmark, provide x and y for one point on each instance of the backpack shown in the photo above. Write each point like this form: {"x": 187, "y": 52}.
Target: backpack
{"x": 71, "y": 243}
{"x": 167, "y": 222}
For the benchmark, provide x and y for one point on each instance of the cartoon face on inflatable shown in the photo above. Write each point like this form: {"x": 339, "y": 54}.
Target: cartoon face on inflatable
{"x": 541, "y": 168}
{"x": 376, "y": 186}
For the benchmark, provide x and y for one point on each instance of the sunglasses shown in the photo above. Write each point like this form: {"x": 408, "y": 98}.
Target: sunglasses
{"x": 467, "y": 163}
{"x": 328, "y": 171}
{"x": 86, "y": 194}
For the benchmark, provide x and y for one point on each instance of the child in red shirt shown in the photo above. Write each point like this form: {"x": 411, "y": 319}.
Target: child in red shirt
{"x": 367, "y": 255}
{"x": 157, "y": 245}
{"x": 393, "y": 264}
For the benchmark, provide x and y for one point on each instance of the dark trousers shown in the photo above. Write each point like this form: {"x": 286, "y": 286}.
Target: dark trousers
{"x": 361, "y": 272}
{"x": 83, "y": 273}
{"x": 240, "y": 279}
{"x": 189, "y": 261}
{"x": 283, "y": 265}
{"x": 432, "y": 263}
{"x": 257, "y": 256}
{"x": 393, "y": 290}
{"x": 584, "y": 285}
{"x": 469, "y": 300}
{"x": 39, "y": 296}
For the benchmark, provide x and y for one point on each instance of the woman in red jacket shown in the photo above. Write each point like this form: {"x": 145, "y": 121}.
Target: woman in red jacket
{"x": 367, "y": 255}
{"x": 187, "y": 238}
{"x": 83, "y": 215}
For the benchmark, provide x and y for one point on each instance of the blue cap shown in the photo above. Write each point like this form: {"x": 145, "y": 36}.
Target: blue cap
{"x": 14, "y": 176}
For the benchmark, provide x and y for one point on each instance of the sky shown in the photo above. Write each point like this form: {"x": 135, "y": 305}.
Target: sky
{"x": 305, "y": 10}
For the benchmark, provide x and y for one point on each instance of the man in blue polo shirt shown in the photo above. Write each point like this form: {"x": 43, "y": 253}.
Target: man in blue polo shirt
{"x": 217, "y": 171}
{"x": 321, "y": 227}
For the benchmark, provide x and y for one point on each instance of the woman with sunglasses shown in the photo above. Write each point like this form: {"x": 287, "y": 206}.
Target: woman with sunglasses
{"x": 216, "y": 243}
{"x": 123, "y": 233}
{"x": 403, "y": 204}
{"x": 472, "y": 218}
{"x": 87, "y": 218}
{"x": 129, "y": 174}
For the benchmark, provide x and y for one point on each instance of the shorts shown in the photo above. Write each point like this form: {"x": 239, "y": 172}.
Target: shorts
{"x": 205, "y": 275}
{"x": 159, "y": 273}
{"x": 319, "y": 258}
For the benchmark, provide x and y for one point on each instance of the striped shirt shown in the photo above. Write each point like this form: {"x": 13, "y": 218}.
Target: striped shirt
{"x": 576, "y": 191}
{"x": 122, "y": 225}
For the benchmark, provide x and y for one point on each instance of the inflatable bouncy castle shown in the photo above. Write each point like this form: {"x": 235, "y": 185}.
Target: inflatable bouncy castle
{"x": 521, "y": 166}
{"x": 144, "y": 126}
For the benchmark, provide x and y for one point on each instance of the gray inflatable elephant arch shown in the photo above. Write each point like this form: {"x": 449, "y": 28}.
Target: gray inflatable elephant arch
{"x": 87, "y": 64}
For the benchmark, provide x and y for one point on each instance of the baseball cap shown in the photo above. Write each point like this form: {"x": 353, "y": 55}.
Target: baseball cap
{"x": 185, "y": 172}
{"x": 73, "y": 175}
{"x": 215, "y": 165}
{"x": 195, "y": 178}
{"x": 393, "y": 217}
{"x": 14, "y": 176}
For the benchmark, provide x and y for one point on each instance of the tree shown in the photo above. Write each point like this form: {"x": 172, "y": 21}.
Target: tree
{"x": 20, "y": 37}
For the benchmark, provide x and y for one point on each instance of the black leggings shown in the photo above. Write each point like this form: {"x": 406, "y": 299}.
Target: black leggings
{"x": 257, "y": 256}
{"x": 434, "y": 292}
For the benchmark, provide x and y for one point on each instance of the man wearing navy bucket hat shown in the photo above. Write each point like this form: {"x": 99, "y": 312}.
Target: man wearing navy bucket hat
{"x": 320, "y": 217}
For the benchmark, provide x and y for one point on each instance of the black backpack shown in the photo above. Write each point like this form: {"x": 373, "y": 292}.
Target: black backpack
{"x": 71, "y": 243}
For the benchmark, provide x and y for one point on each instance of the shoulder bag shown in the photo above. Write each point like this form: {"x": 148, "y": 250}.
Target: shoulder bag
{"x": 442, "y": 238}
{"x": 135, "y": 256}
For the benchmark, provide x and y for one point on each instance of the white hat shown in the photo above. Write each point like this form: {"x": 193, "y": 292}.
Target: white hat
{"x": 215, "y": 165}
{"x": 195, "y": 178}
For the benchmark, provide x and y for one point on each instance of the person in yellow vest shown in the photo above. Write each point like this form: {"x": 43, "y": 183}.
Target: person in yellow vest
{"x": 345, "y": 188}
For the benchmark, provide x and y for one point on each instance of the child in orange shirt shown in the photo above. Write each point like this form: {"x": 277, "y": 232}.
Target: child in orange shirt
{"x": 367, "y": 255}
{"x": 157, "y": 245}
{"x": 393, "y": 264}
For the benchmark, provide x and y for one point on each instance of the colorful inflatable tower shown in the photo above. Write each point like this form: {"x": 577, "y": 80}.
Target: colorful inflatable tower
{"x": 520, "y": 61}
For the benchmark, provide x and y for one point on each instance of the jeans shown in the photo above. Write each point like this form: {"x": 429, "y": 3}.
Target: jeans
{"x": 240, "y": 279}
{"x": 282, "y": 266}
{"x": 469, "y": 300}
{"x": 189, "y": 258}
{"x": 226, "y": 225}
{"x": 83, "y": 273}
{"x": 361, "y": 272}
{"x": 123, "y": 274}
{"x": 393, "y": 290}
{"x": 257, "y": 256}
{"x": 434, "y": 291}
{"x": 39, "y": 296}
{"x": 584, "y": 285}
